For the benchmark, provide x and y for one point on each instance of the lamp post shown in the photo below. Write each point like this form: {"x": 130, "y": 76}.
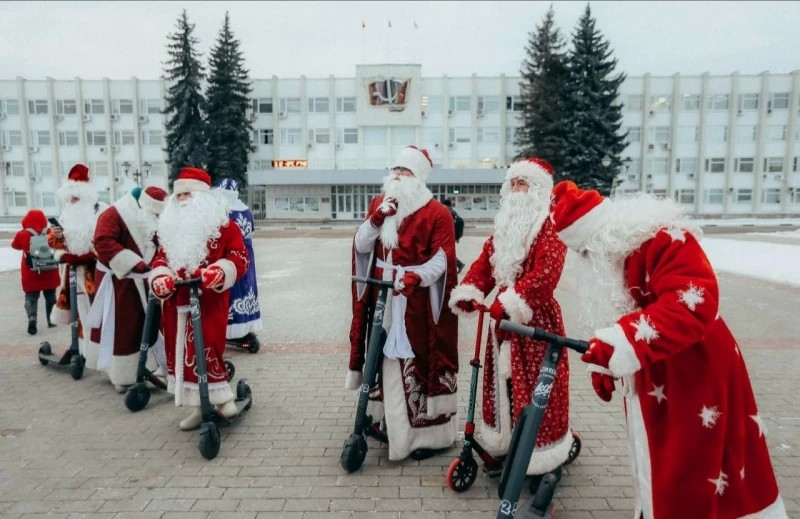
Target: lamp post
{"x": 135, "y": 174}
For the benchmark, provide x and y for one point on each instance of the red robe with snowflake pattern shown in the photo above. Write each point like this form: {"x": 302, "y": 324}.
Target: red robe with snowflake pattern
{"x": 695, "y": 434}
{"x": 227, "y": 252}
{"x": 511, "y": 368}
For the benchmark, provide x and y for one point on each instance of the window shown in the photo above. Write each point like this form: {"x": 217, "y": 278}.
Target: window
{"x": 744, "y": 196}
{"x": 66, "y": 107}
{"x": 124, "y": 138}
{"x": 773, "y": 165}
{"x": 748, "y": 102}
{"x": 262, "y": 165}
{"x": 715, "y": 165}
{"x": 9, "y": 106}
{"x": 403, "y": 135}
{"x": 96, "y": 138}
{"x": 776, "y": 133}
{"x": 151, "y": 138}
{"x": 121, "y": 106}
{"x": 42, "y": 169}
{"x": 745, "y": 134}
{"x": 262, "y": 105}
{"x": 656, "y": 166}
{"x": 634, "y": 134}
{"x": 348, "y": 136}
{"x": 99, "y": 168}
{"x": 634, "y": 168}
{"x": 432, "y": 104}
{"x": 794, "y": 166}
{"x": 659, "y": 103}
{"x": 374, "y": 136}
{"x": 46, "y": 199}
{"x": 431, "y": 136}
{"x": 511, "y": 137}
{"x": 712, "y": 196}
{"x": 691, "y": 102}
{"x": 460, "y": 103}
{"x": 488, "y": 103}
{"x": 104, "y": 196}
{"x": 718, "y": 102}
{"x": 686, "y": 165}
{"x": 346, "y": 104}
{"x": 771, "y": 196}
{"x": 514, "y": 103}
{"x": 311, "y": 204}
{"x": 94, "y": 106}
{"x": 264, "y": 136}
{"x": 319, "y": 104}
{"x": 37, "y": 106}
{"x": 779, "y": 101}
{"x": 488, "y": 135}
{"x": 633, "y": 103}
{"x": 659, "y": 134}
{"x": 290, "y": 105}
{"x": 40, "y": 138}
{"x": 68, "y": 138}
{"x": 687, "y": 134}
{"x": 150, "y": 106}
{"x": 17, "y": 199}
{"x": 745, "y": 164}
{"x": 16, "y": 168}
{"x": 460, "y": 134}
{"x": 684, "y": 196}
{"x": 291, "y": 135}
{"x": 319, "y": 135}
{"x": 716, "y": 133}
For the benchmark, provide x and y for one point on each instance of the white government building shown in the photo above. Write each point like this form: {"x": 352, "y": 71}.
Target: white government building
{"x": 719, "y": 145}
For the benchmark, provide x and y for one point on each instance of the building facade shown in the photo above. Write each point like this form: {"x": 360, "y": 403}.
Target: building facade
{"x": 719, "y": 145}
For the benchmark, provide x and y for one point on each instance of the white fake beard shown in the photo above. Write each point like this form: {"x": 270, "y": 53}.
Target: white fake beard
{"x": 78, "y": 221}
{"x": 516, "y": 225}
{"x": 184, "y": 228}
{"x": 602, "y": 293}
{"x": 411, "y": 194}
{"x": 147, "y": 221}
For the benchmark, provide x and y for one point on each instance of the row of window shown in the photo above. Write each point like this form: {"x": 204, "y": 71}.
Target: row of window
{"x": 44, "y": 200}
{"x": 743, "y": 134}
{"x": 738, "y": 196}
{"x": 44, "y": 169}
{"x": 90, "y": 106}
{"x": 12, "y": 138}
{"x": 689, "y": 165}
{"x": 429, "y": 104}
{"x": 401, "y": 135}
{"x": 714, "y": 102}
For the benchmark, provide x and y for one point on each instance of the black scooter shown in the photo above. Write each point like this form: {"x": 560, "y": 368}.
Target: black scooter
{"x": 248, "y": 343}
{"x": 72, "y": 358}
{"x": 524, "y": 438}
{"x": 355, "y": 447}
{"x": 208, "y": 441}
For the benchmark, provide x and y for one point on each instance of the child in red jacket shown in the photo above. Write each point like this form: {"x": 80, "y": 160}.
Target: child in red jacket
{"x": 34, "y": 282}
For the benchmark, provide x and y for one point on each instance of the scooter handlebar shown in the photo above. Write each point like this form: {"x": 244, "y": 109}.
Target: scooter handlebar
{"x": 373, "y": 281}
{"x": 187, "y": 282}
{"x": 541, "y": 335}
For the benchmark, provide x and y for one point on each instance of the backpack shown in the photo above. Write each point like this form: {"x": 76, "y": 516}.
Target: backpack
{"x": 40, "y": 256}
{"x": 459, "y": 223}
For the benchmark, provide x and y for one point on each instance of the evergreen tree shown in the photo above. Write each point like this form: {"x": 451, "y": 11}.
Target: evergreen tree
{"x": 229, "y": 128}
{"x": 185, "y": 137}
{"x": 544, "y": 77}
{"x": 595, "y": 116}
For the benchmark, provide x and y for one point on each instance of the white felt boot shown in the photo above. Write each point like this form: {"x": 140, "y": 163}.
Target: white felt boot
{"x": 192, "y": 421}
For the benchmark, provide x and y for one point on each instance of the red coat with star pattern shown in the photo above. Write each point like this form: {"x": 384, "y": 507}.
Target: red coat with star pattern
{"x": 696, "y": 438}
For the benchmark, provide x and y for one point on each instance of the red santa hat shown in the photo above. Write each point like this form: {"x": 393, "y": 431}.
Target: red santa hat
{"x": 78, "y": 173}
{"x": 191, "y": 179}
{"x": 534, "y": 171}
{"x": 576, "y": 213}
{"x": 415, "y": 160}
{"x": 153, "y": 199}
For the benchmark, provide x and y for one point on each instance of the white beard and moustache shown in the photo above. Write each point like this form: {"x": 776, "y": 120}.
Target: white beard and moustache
{"x": 516, "y": 225}
{"x": 78, "y": 221}
{"x": 411, "y": 194}
{"x": 184, "y": 228}
{"x": 147, "y": 222}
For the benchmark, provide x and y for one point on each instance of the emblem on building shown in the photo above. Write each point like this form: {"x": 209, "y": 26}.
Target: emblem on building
{"x": 389, "y": 92}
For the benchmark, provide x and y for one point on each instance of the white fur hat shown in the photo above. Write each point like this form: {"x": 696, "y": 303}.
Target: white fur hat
{"x": 415, "y": 160}
{"x": 534, "y": 170}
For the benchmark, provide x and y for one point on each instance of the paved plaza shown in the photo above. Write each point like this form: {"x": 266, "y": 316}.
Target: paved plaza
{"x": 70, "y": 449}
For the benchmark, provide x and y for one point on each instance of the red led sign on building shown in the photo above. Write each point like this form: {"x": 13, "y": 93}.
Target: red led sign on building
{"x": 289, "y": 164}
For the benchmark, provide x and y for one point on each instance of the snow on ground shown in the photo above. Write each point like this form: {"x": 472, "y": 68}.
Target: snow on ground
{"x": 776, "y": 262}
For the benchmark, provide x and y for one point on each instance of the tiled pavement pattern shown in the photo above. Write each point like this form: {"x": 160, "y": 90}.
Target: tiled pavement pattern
{"x": 70, "y": 449}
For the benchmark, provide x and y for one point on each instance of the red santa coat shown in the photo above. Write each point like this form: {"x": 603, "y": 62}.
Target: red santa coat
{"x": 33, "y": 281}
{"x": 696, "y": 438}
{"x": 417, "y": 395}
{"x": 120, "y": 246}
{"x": 530, "y": 301}
{"x": 229, "y": 253}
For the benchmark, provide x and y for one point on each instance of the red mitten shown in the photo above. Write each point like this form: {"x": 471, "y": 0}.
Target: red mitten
{"x": 497, "y": 312}
{"x": 213, "y": 277}
{"x": 407, "y": 283}
{"x": 469, "y": 305}
{"x": 603, "y": 385}
{"x": 387, "y": 208}
{"x": 70, "y": 259}
{"x": 163, "y": 286}
{"x": 140, "y": 268}
{"x": 599, "y": 353}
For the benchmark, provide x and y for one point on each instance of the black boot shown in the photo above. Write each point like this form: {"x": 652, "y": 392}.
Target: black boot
{"x": 32, "y": 326}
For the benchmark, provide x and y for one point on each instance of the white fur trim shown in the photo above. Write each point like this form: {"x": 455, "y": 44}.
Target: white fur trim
{"x": 517, "y": 308}
{"x": 151, "y": 204}
{"x": 218, "y": 392}
{"x": 579, "y": 232}
{"x": 774, "y": 511}
{"x": 415, "y": 161}
{"x": 124, "y": 367}
{"x": 229, "y": 269}
{"x": 548, "y": 457}
{"x": 464, "y": 292}
{"x": 239, "y": 330}
{"x": 497, "y": 440}
{"x": 123, "y": 262}
{"x": 188, "y": 185}
{"x": 443, "y": 404}
{"x": 623, "y": 361}
{"x": 639, "y": 453}
{"x": 353, "y": 379}
{"x": 504, "y": 360}
{"x": 532, "y": 172}
{"x": 59, "y": 253}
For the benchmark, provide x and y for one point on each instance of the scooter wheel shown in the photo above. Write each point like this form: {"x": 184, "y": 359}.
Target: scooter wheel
{"x": 544, "y": 496}
{"x": 208, "y": 441}
{"x": 575, "y": 449}
{"x": 243, "y": 391}
{"x": 44, "y": 349}
{"x": 253, "y": 345}
{"x": 354, "y": 452}
{"x": 231, "y": 369}
{"x": 462, "y": 473}
{"x": 137, "y": 397}
{"x": 76, "y": 364}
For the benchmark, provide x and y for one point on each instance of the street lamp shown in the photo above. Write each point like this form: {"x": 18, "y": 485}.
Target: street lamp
{"x": 135, "y": 174}
{"x": 606, "y": 161}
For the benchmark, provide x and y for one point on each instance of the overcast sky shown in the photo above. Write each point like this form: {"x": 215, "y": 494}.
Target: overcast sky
{"x": 316, "y": 39}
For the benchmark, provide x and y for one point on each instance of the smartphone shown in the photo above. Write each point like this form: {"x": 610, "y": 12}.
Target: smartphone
{"x": 54, "y": 222}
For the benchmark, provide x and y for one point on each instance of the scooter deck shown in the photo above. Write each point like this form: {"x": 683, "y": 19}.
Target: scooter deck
{"x": 222, "y": 421}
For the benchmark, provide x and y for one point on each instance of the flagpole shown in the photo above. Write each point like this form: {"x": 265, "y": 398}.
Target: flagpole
{"x": 363, "y": 26}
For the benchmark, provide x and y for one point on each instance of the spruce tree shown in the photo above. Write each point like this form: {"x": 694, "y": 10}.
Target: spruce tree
{"x": 229, "y": 128}
{"x": 544, "y": 76}
{"x": 594, "y": 114}
{"x": 185, "y": 104}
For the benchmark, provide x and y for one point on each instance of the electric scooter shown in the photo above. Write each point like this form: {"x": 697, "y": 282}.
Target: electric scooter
{"x": 355, "y": 447}
{"x": 248, "y": 343}
{"x": 208, "y": 441}
{"x": 464, "y": 469}
{"x": 72, "y": 358}
{"x": 524, "y": 437}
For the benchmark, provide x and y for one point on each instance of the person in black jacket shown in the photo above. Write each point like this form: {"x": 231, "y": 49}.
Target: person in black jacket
{"x": 459, "y": 223}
